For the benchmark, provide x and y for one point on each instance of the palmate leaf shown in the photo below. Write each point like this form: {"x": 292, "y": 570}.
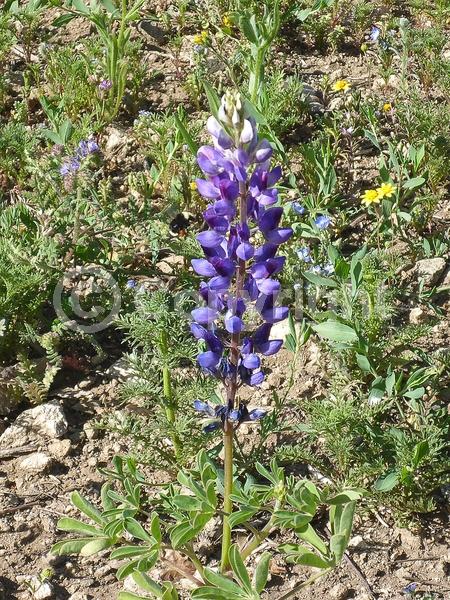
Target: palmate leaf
{"x": 222, "y": 583}
{"x": 336, "y": 331}
{"x": 87, "y": 508}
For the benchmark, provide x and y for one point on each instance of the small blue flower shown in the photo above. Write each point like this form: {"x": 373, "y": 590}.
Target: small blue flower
{"x": 410, "y": 588}
{"x": 144, "y": 113}
{"x": 92, "y": 146}
{"x": 131, "y": 283}
{"x": 322, "y": 221}
{"x": 304, "y": 254}
{"x": 298, "y": 208}
{"x": 328, "y": 269}
{"x": 374, "y": 33}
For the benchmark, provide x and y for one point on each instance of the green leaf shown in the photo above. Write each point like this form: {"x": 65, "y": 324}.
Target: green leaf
{"x": 308, "y": 534}
{"x": 241, "y": 516}
{"x": 223, "y": 583}
{"x": 414, "y": 394}
{"x": 420, "y": 451}
{"x": 147, "y": 584}
{"x": 189, "y": 140}
{"x": 363, "y": 363}
{"x": 261, "y": 572}
{"x": 252, "y": 111}
{"x": 70, "y": 546}
{"x": 52, "y": 136}
{"x": 338, "y": 545}
{"x": 319, "y": 280}
{"x": 336, "y": 331}
{"x": 136, "y": 529}
{"x": 80, "y": 6}
{"x": 96, "y": 546}
{"x": 130, "y": 596}
{"x": 87, "y": 508}
{"x": 344, "y": 497}
{"x": 68, "y": 524}
{"x": 212, "y": 593}
{"x": 371, "y": 137}
{"x": 237, "y": 564}
{"x": 128, "y": 552}
{"x": 385, "y": 483}
{"x": 188, "y": 503}
{"x": 414, "y": 183}
{"x": 213, "y": 98}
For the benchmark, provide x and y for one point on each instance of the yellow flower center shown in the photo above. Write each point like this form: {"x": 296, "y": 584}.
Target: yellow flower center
{"x": 193, "y": 186}
{"x": 387, "y": 106}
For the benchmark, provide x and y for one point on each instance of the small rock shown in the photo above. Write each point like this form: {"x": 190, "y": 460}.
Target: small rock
{"x": 417, "y": 316}
{"x": 37, "y": 462}
{"x": 115, "y": 140}
{"x": 80, "y": 596}
{"x": 280, "y": 330}
{"x": 130, "y": 585}
{"x": 119, "y": 370}
{"x": 59, "y": 448}
{"x": 90, "y": 431}
{"x": 356, "y": 542}
{"x": 430, "y": 269}
{"x": 45, "y": 590}
{"x": 47, "y": 420}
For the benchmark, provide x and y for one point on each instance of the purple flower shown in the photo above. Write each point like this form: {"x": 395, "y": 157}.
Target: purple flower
{"x": 322, "y": 222}
{"x": 69, "y": 167}
{"x": 236, "y": 269}
{"x": 131, "y": 284}
{"x": 105, "y": 85}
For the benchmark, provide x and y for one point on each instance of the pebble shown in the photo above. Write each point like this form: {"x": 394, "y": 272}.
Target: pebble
{"x": 37, "y": 462}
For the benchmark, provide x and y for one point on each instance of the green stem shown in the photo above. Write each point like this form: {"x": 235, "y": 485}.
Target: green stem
{"x": 228, "y": 488}
{"x": 168, "y": 395}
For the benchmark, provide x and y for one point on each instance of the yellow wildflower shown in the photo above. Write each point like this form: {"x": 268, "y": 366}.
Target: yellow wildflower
{"x": 226, "y": 21}
{"x": 370, "y": 197}
{"x": 341, "y": 86}
{"x": 387, "y": 106}
{"x": 201, "y": 38}
{"x": 193, "y": 186}
{"x": 386, "y": 190}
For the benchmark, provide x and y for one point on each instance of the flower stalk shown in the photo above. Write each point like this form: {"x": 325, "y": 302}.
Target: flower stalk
{"x": 240, "y": 272}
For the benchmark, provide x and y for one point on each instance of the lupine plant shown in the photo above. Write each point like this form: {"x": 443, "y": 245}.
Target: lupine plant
{"x": 240, "y": 248}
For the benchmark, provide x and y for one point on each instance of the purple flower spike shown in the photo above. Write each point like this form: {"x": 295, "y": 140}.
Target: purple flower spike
{"x": 240, "y": 187}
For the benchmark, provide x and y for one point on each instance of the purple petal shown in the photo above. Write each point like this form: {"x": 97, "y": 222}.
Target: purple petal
{"x": 270, "y": 219}
{"x": 268, "y": 286}
{"x": 207, "y": 189}
{"x": 245, "y": 251}
{"x": 203, "y": 407}
{"x": 209, "y": 160}
{"x": 198, "y": 331}
{"x": 209, "y": 239}
{"x": 279, "y": 236}
{"x": 209, "y": 360}
{"x": 270, "y": 348}
{"x": 224, "y": 266}
{"x": 274, "y": 176}
{"x": 212, "y": 427}
{"x": 219, "y": 283}
{"x": 265, "y": 251}
{"x": 204, "y": 315}
{"x": 203, "y": 267}
{"x": 229, "y": 190}
{"x": 234, "y": 324}
{"x": 273, "y": 315}
{"x": 252, "y": 361}
{"x": 256, "y": 414}
{"x": 257, "y": 378}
